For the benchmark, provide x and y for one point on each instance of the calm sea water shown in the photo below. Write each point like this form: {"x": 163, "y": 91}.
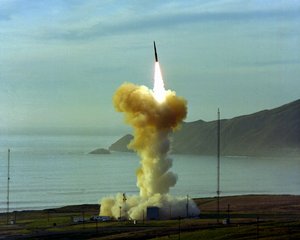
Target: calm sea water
{"x": 50, "y": 171}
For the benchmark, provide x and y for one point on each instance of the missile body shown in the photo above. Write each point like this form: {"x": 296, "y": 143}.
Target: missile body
{"x": 155, "y": 53}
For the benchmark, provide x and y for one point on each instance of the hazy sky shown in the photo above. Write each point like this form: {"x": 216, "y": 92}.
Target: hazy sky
{"x": 62, "y": 60}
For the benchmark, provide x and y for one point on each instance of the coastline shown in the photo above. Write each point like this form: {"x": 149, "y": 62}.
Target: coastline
{"x": 245, "y": 202}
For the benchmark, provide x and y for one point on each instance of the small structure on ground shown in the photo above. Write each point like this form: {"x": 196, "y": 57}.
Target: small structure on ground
{"x": 100, "y": 218}
{"x": 152, "y": 213}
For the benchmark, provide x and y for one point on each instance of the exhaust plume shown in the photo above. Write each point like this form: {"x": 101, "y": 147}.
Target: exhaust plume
{"x": 152, "y": 122}
{"x": 153, "y": 114}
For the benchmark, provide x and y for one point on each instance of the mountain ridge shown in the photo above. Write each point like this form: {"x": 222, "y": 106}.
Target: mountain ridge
{"x": 272, "y": 132}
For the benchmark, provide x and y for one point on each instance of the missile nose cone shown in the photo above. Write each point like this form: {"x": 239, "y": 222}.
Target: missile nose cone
{"x": 155, "y": 53}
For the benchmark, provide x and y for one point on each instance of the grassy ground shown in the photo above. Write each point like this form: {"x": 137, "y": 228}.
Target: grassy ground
{"x": 251, "y": 217}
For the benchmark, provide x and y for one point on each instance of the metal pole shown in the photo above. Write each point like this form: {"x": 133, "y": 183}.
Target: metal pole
{"x": 218, "y": 167}
{"x": 83, "y": 222}
{"x": 8, "y": 179}
{"x": 187, "y": 206}
{"x": 143, "y": 216}
{"x": 228, "y": 213}
{"x": 179, "y": 228}
{"x": 257, "y": 227}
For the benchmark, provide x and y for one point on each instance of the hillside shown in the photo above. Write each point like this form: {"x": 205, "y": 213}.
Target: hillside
{"x": 266, "y": 133}
{"x": 121, "y": 144}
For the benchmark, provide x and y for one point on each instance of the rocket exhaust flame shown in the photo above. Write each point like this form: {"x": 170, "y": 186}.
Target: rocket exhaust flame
{"x": 153, "y": 116}
{"x": 159, "y": 88}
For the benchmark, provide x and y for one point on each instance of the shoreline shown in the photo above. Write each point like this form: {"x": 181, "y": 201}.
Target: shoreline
{"x": 204, "y": 203}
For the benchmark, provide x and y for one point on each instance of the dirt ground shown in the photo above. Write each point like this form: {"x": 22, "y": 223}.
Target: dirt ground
{"x": 253, "y": 204}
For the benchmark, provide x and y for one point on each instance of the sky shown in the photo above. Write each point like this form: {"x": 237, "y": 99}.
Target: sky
{"x": 62, "y": 60}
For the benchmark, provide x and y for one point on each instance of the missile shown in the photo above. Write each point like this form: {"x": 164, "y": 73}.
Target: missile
{"x": 155, "y": 53}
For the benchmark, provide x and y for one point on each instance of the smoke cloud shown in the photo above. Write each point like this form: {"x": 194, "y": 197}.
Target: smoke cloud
{"x": 152, "y": 122}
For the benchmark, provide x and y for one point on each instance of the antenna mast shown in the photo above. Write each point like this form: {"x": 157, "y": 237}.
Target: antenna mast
{"x": 8, "y": 179}
{"x": 218, "y": 167}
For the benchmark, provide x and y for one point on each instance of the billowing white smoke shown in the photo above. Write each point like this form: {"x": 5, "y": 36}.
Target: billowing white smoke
{"x": 153, "y": 118}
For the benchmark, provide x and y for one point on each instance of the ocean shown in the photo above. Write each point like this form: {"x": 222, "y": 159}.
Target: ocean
{"x": 53, "y": 170}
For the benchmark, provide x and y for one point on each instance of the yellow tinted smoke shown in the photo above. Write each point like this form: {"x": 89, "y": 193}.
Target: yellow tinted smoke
{"x": 136, "y": 207}
{"x": 152, "y": 120}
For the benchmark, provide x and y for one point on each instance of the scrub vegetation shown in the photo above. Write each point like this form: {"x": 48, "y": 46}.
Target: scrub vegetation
{"x": 250, "y": 217}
